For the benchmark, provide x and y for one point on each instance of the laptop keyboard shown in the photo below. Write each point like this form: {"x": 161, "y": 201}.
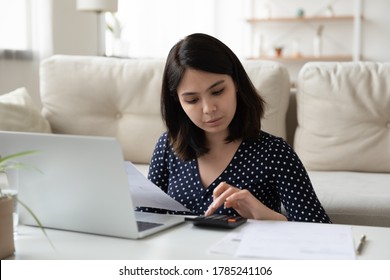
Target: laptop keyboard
{"x": 146, "y": 225}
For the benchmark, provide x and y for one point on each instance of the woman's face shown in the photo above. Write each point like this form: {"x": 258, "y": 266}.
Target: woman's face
{"x": 208, "y": 99}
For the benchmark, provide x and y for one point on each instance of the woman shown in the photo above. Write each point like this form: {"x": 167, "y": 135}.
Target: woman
{"x": 214, "y": 158}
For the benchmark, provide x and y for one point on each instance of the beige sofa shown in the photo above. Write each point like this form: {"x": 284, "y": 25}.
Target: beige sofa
{"x": 338, "y": 122}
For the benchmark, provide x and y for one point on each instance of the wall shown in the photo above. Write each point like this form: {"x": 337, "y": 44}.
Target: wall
{"x": 75, "y": 33}
{"x": 376, "y": 30}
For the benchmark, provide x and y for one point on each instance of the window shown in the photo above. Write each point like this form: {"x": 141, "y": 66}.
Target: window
{"x": 14, "y": 28}
{"x": 149, "y": 28}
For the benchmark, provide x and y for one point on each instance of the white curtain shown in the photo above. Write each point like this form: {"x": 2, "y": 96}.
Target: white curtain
{"x": 25, "y": 29}
{"x": 41, "y": 28}
{"x": 13, "y": 28}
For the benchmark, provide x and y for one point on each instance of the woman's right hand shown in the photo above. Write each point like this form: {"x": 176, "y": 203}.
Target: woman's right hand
{"x": 243, "y": 202}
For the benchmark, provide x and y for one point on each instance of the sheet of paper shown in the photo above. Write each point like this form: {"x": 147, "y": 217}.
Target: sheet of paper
{"x": 147, "y": 194}
{"x": 228, "y": 245}
{"x": 293, "y": 240}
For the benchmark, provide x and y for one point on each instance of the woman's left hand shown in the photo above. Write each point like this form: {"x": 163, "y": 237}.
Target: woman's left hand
{"x": 243, "y": 202}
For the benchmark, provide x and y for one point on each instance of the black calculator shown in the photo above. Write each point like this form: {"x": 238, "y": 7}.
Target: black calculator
{"x": 218, "y": 221}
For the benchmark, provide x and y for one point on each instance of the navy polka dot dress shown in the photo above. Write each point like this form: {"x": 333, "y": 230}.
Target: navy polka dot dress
{"x": 267, "y": 167}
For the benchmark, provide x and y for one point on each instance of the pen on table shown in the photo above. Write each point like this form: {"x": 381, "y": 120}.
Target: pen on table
{"x": 360, "y": 246}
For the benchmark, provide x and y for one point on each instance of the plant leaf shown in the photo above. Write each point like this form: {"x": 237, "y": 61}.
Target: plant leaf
{"x": 37, "y": 221}
{"x": 7, "y": 162}
{"x": 20, "y": 154}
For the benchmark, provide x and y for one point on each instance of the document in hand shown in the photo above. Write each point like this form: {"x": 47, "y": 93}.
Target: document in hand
{"x": 147, "y": 194}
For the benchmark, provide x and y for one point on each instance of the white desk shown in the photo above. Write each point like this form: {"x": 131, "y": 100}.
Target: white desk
{"x": 184, "y": 242}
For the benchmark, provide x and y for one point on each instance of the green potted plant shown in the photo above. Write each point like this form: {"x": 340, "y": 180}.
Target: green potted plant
{"x": 7, "y": 204}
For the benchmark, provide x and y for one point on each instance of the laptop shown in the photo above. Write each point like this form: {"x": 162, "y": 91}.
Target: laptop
{"x": 81, "y": 185}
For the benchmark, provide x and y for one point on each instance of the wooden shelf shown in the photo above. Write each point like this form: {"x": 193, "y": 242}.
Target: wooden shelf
{"x": 300, "y": 19}
{"x": 296, "y": 34}
{"x": 305, "y": 58}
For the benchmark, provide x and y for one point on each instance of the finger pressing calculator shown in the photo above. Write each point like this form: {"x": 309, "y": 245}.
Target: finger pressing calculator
{"x": 218, "y": 221}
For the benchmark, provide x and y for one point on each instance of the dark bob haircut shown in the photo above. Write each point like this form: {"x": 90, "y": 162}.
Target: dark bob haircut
{"x": 206, "y": 53}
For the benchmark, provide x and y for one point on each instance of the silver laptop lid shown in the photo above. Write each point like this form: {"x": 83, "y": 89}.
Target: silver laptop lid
{"x": 74, "y": 191}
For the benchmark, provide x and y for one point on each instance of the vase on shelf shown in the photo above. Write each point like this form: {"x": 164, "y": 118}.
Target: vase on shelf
{"x": 329, "y": 11}
{"x": 317, "y": 46}
{"x": 317, "y": 42}
{"x": 266, "y": 11}
{"x": 295, "y": 49}
{"x": 278, "y": 51}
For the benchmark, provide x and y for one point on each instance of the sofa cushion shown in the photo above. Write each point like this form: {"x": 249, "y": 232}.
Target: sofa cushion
{"x": 344, "y": 116}
{"x": 121, "y": 98}
{"x": 105, "y": 97}
{"x": 18, "y": 113}
{"x": 356, "y": 198}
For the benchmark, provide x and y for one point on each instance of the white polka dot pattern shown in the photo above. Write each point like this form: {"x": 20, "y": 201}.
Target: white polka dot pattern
{"x": 267, "y": 167}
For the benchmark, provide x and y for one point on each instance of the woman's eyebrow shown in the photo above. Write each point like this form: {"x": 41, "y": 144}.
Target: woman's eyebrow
{"x": 188, "y": 93}
{"x": 216, "y": 84}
